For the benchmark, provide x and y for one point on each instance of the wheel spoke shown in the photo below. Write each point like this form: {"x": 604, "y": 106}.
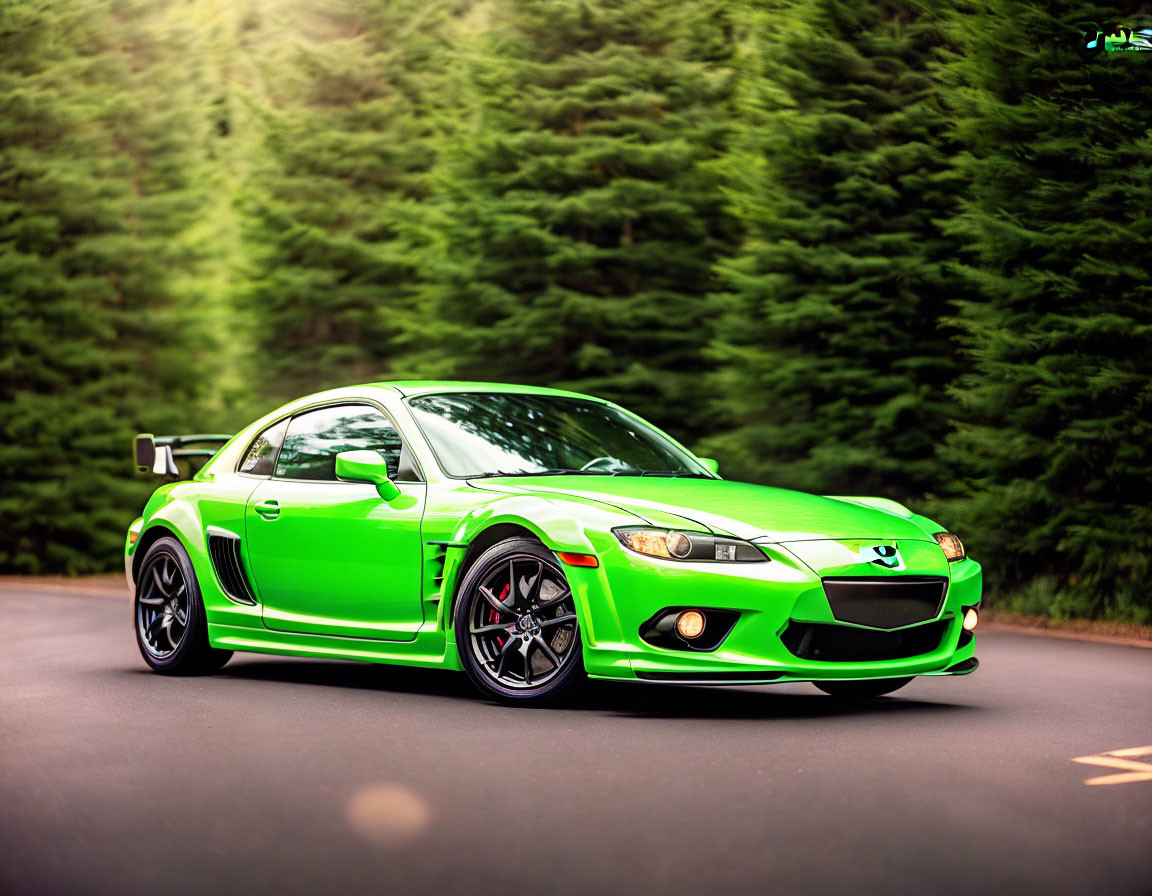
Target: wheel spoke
{"x": 513, "y": 591}
{"x": 504, "y": 657}
{"x": 488, "y": 629}
{"x": 567, "y": 617}
{"x": 157, "y": 621}
{"x": 548, "y": 651}
{"x": 181, "y": 616}
{"x": 527, "y": 666}
{"x": 534, "y": 588}
{"x": 152, "y": 601}
{"x": 171, "y": 640}
{"x": 493, "y": 600}
{"x": 159, "y": 582}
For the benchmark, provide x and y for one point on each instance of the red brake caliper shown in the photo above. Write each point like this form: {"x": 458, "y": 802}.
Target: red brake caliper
{"x": 494, "y": 617}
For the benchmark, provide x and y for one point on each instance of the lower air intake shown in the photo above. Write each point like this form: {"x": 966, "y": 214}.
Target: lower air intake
{"x": 843, "y": 644}
{"x": 224, "y": 550}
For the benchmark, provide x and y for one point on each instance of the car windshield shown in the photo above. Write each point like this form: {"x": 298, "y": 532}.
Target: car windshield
{"x": 508, "y": 434}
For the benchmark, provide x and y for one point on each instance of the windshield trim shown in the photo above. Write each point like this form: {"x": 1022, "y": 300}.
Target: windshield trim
{"x": 691, "y": 458}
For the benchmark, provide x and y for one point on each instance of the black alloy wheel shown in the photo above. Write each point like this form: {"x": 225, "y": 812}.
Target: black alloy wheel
{"x": 516, "y": 624}
{"x": 171, "y": 628}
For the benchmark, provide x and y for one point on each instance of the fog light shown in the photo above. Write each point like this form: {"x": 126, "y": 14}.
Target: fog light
{"x": 971, "y": 617}
{"x": 690, "y": 624}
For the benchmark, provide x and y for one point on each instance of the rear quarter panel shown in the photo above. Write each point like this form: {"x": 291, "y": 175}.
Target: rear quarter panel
{"x": 185, "y": 510}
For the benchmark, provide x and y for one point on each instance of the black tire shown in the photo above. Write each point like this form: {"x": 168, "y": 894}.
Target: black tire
{"x": 862, "y": 690}
{"x": 531, "y": 633}
{"x": 168, "y": 614}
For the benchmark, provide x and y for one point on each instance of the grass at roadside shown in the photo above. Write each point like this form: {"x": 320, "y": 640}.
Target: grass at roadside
{"x": 1090, "y": 629}
{"x": 104, "y": 585}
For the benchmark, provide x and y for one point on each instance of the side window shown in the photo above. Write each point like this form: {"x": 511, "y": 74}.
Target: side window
{"x": 261, "y": 454}
{"x": 315, "y": 438}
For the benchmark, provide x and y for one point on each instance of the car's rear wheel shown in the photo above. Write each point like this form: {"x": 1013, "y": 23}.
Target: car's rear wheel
{"x": 862, "y": 690}
{"x": 516, "y": 626}
{"x": 171, "y": 628}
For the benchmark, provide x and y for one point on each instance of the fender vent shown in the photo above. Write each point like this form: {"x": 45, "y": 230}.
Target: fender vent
{"x": 224, "y": 549}
{"x": 435, "y": 557}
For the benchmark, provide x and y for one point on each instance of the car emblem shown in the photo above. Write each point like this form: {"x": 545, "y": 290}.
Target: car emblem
{"x": 884, "y": 555}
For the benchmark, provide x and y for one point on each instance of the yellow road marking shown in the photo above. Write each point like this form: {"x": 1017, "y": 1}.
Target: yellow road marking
{"x": 1134, "y": 771}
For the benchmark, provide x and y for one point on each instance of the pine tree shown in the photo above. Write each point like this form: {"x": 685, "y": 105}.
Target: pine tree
{"x": 576, "y": 223}
{"x": 832, "y": 357}
{"x": 1056, "y": 447}
{"x": 347, "y": 122}
{"x": 100, "y": 153}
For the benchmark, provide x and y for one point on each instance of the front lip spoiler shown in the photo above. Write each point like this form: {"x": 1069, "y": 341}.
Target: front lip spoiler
{"x": 729, "y": 678}
{"x": 964, "y": 667}
{"x": 756, "y": 676}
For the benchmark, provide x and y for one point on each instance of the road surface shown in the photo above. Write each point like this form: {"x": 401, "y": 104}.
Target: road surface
{"x": 295, "y": 776}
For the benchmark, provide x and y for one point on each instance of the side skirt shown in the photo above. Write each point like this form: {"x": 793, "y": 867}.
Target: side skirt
{"x": 429, "y": 649}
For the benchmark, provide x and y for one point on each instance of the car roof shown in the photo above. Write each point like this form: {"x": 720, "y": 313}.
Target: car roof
{"x": 427, "y": 387}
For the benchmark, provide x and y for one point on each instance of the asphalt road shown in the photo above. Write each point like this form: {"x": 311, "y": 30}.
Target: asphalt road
{"x": 295, "y": 776}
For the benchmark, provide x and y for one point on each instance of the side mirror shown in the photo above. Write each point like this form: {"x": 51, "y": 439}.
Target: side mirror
{"x": 145, "y": 452}
{"x": 709, "y": 464}
{"x": 367, "y": 466}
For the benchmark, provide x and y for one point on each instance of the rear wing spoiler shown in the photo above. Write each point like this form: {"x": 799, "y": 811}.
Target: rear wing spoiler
{"x": 158, "y": 454}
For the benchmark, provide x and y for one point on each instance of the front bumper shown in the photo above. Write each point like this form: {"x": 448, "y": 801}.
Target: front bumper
{"x": 628, "y": 590}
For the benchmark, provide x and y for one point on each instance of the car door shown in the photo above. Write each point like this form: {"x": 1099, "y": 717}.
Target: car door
{"x": 331, "y": 557}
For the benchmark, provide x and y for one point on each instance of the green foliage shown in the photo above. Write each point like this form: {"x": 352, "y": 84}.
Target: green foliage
{"x": 98, "y": 169}
{"x": 1055, "y": 439}
{"x": 346, "y": 137}
{"x": 575, "y": 226}
{"x": 893, "y": 248}
{"x": 832, "y": 360}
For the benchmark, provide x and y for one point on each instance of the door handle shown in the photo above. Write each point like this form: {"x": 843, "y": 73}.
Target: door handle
{"x": 268, "y": 509}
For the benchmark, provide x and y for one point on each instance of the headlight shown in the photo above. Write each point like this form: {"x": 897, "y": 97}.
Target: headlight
{"x": 672, "y": 545}
{"x": 951, "y": 545}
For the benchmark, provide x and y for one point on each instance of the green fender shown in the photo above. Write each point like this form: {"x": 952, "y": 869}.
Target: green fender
{"x": 579, "y": 527}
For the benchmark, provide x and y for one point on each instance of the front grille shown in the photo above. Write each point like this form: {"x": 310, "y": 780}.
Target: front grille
{"x": 842, "y": 644}
{"x": 890, "y": 602}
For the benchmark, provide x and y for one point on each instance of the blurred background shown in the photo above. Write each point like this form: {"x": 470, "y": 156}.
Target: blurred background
{"x": 894, "y": 248}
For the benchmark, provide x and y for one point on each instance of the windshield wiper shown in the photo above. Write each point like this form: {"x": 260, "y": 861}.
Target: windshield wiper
{"x": 559, "y": 472}
{"x": 569, "y": 473}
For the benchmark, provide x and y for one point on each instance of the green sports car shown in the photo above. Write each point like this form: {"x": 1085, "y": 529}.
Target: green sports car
{"x": 530, "y": 537}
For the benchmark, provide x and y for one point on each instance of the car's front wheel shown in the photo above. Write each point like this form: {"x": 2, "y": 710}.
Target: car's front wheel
{"x": 862, "y": 690}
{"x": 516, "y": 626}
{"x": 171, "y": 628}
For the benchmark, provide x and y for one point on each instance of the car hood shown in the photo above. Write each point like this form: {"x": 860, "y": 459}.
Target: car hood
{"x": 735, "y": 508}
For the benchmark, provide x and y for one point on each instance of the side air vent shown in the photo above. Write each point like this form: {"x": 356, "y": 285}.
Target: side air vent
{"x": 435, "y": 557}
{"x": 224, "y": 549}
